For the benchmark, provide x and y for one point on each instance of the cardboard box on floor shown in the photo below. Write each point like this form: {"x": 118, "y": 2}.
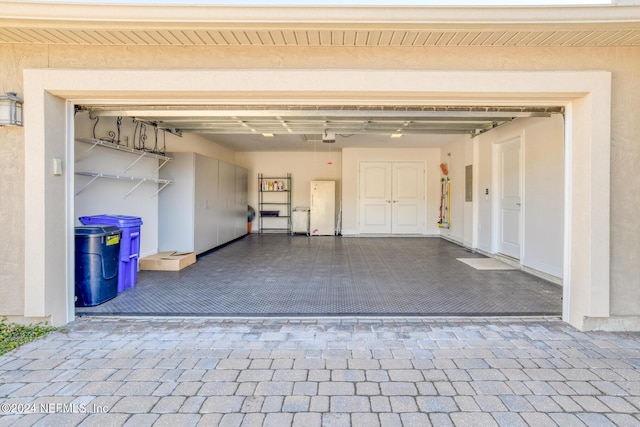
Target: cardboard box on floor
{"x": 168, "y": 261}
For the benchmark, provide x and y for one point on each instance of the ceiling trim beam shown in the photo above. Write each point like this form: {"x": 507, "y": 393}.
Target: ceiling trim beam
{"x": 441, "y": 131}
{"x": 444, "y": 112}
{"x": 305, "y": 119}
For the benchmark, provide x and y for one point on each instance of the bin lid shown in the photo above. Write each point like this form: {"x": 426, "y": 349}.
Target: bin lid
{"x": 119, "y": 220}
{"x": 97, "y": 230}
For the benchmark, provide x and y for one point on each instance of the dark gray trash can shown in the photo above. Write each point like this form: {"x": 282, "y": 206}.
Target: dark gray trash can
{"x": 97, "y": 258}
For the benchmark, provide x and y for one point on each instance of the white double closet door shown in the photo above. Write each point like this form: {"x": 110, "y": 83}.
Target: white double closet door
{"x": 392, "y": 197}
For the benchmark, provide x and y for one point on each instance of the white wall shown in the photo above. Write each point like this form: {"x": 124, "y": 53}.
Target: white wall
{"x": 454, "y": 156}
{"x": 303, "y": 166}
{"x": 543, "y": 195}
{"x": 190, "y": 143}
{"x": 468, "y": 206}
{"x": 482, "y": 203}
{"x": 351, "y": 158}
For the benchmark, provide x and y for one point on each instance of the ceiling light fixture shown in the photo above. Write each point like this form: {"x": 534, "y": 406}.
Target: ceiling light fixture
{"x": 267, "y": 135}
{"x": 396, "y": 135}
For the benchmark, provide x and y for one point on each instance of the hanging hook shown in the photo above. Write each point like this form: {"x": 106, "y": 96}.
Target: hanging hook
{"x": 97, "y": 119}
{"x": 143, "y": 136}
{"x": 135, "y": 130}
{"x": 118, "y": 124}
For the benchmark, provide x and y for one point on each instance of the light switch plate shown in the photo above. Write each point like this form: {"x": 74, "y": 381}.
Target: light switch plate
{"x": 57, "y": 167}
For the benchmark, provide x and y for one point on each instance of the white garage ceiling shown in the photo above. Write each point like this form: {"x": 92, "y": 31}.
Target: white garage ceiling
{"x": 302, "y": 127}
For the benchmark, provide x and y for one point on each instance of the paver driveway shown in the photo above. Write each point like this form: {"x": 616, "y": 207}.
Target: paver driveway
{"x": 325, "y": 371}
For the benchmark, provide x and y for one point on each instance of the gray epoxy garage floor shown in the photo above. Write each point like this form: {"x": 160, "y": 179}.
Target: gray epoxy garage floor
{"x": 282, "y": 275}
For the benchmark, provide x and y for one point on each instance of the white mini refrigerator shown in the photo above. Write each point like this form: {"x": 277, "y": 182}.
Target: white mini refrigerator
{"x": 322, "y": 215}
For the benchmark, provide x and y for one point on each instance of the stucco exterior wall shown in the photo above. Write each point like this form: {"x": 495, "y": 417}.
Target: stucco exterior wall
{"x": 11, "y": 221}
{"x": 625, "y": 151}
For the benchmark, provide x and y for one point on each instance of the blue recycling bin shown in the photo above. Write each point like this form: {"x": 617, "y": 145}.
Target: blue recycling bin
{"x": 97, "y": 255}
{"x": 129, "y": 247}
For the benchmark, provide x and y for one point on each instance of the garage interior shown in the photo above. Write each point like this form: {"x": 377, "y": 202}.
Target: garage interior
{"x": 284, "y": 274}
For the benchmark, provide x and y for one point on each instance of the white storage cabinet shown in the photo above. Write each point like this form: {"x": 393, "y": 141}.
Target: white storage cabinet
{"x": 201, "y": 211}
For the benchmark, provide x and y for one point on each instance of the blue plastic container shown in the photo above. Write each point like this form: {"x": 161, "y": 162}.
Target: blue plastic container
{"x": 97, "y": 256}
{"x": 129, "y": 247}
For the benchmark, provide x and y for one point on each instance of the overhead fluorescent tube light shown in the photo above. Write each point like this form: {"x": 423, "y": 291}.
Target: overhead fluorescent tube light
{"x": 267, "y": 135}
{"x": 396, "y": 135}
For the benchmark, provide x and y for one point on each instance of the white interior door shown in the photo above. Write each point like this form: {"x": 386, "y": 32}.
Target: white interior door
{"x": 510, "y": 199}
{"x": 407, "y": 198}
{"x": 375, "y": 197}
{"x": 392, "y": 197}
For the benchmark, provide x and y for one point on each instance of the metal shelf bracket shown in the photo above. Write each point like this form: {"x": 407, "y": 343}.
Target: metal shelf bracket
{"x": 140, "y": 153}
{"x": 96, "y": 175}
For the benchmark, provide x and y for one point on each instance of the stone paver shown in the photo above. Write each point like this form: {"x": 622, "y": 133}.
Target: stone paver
{"x": 322, "y": 372}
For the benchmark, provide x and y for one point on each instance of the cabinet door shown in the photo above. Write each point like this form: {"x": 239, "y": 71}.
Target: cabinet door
{"x": 227, "y": 202}
{"x": 242, "y": 183}
{"x": 206, "y": 204}
{"x": 176, "y": 205}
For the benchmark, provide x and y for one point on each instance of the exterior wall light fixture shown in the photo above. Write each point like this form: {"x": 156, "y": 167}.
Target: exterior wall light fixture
{"x": 10, "y": 110}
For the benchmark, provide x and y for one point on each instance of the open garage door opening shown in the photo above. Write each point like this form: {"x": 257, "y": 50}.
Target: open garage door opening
{"x": 586, "y": 97}
{"x": 441, "y": 173}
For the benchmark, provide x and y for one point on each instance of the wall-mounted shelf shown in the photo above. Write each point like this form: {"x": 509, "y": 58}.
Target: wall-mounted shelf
{"x": 96, "y": 175}
{"x": 140, "y": 155}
